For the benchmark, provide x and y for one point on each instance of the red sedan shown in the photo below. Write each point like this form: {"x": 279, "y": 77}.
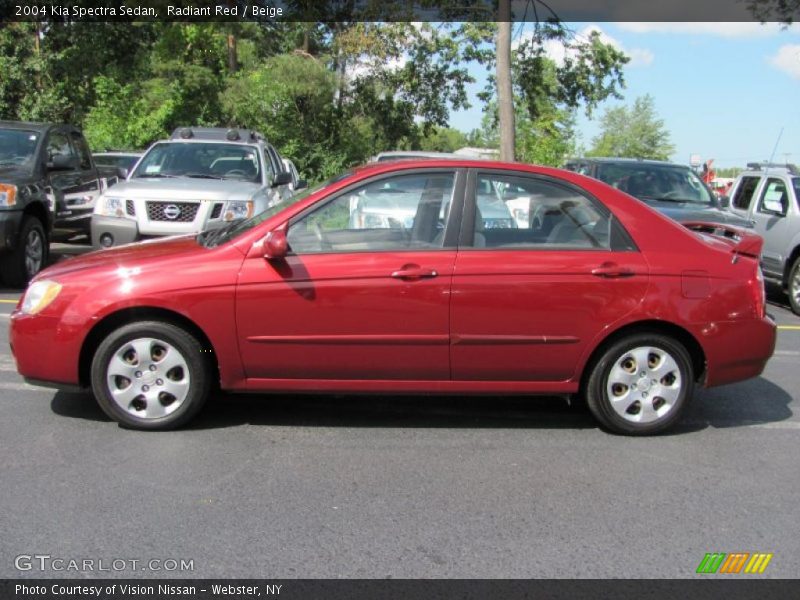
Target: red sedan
{"x": 411, "y": 277}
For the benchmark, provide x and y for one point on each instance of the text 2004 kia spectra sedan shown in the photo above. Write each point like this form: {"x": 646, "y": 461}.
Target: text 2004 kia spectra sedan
{"x": 391, "y": 279}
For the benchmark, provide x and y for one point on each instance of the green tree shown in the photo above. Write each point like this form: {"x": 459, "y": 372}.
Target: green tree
{"x": 634, "y": 132}
{"x": 443, "y": 139}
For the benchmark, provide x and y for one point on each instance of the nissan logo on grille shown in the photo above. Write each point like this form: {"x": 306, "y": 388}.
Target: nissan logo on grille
{"x": 178, "y": 212}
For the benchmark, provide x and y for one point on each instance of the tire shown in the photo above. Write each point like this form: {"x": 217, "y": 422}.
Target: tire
{"x": 793, "y": 287}
{"x": 641, "y": 384}
{"x": 29, "y": 256}
{"x": 151, "y": 376}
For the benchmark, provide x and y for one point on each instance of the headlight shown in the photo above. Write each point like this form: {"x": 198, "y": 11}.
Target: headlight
{"x": 39, "y": 295}
{"x": 8, "y": 194}
{"x": 238, "y": 210}
{"x": 109, "y": 206}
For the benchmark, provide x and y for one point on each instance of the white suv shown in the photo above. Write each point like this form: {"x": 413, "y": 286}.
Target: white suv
{"x": 201, "y": 178}
{"x": 767, "y": 195}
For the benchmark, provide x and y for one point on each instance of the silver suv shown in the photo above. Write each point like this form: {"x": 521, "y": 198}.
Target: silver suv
{"x": 201, "y": 178}
{"x": 767, "y": 195}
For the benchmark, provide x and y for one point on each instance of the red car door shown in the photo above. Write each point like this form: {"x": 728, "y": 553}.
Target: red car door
{"x": 528, "y": 300}
{"x": 364, "y": 293}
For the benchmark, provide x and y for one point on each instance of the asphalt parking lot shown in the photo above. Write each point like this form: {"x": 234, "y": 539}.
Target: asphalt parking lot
{"x": 350, "y": 487}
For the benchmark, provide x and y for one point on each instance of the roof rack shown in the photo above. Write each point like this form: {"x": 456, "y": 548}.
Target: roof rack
{"x": 232, "y": 134}
{"x": 758, "y": 166}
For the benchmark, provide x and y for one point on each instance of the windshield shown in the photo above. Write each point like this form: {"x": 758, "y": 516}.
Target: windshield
{"x": 656, "y": 182}
{"x": 202, "y": 160}
{"x": 216, "y": 237}
{"x": 125, "y": 161}
{"x": 17, "y": 147}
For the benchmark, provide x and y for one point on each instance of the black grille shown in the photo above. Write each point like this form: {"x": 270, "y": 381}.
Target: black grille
{"x": 130, "y": 208}
{"x": 173, "y": 212}
{"x": 216, "y": 211}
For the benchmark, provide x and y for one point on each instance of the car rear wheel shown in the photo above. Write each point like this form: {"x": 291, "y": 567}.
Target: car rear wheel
{"x": 794, "y": 287}
{"x": 28, "y": 258}
{"x": 641, "y": 384}
{"x": 150, "y": 375}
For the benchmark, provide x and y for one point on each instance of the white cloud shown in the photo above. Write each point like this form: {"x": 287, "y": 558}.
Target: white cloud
{"x": 640, "y": 57}
{"x": 730, "y": 30}
{"x": 787, "y": 59}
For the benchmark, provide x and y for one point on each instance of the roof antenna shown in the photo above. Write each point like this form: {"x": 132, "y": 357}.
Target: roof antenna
{"x": 774, "y": 149}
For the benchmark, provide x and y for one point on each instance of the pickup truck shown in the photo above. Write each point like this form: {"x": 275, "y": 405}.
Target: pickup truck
{"x": 48, "y": 184}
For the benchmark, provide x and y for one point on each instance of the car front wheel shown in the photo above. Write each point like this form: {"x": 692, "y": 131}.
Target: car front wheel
{"x": 150, "y": 375}
{"x": 641, "y": 384}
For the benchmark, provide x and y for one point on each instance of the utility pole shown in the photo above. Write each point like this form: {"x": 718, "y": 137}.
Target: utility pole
{"x": 505, "y": 100}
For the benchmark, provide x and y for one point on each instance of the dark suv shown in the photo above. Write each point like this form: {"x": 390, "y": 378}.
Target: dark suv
{"x": 47, "y": 180}
{"x": 674, "y": 190}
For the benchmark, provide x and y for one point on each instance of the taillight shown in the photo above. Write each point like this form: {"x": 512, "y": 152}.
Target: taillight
{"x": 759, "y": 293}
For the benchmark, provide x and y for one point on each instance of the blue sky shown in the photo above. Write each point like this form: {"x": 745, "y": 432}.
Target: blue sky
{"x": 724, "y": 90}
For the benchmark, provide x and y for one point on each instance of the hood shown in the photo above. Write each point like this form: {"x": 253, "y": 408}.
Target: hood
{"x": 688, "y": 211}
{"x": 185, "y": 188}
{"x": 16, "y": 174}
{"x": 139, "y": 254}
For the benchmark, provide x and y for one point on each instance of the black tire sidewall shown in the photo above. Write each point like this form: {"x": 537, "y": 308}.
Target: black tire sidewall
{"x": 184, "y": 342}
{"x": 597, "y": 396}
{"x": 793, "y": 303}
{"x": 13, "y": 266}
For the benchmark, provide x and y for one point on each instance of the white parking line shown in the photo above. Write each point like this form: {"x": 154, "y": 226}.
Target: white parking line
{"x": 23, "y": 387}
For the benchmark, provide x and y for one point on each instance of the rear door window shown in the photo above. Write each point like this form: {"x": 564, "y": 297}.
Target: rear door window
{"x": 774, "y": 199}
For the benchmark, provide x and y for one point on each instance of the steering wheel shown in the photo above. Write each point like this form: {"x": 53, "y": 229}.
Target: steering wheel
{"x": 670, "y": 195}
{"x": 236, "y": 172}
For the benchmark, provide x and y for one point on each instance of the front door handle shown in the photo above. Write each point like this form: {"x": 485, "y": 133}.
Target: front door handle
{"x": 414, "y": 272}
{"x": 611, "y": 270}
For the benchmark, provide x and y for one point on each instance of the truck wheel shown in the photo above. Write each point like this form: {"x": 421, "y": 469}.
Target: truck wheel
{"x": 793, "y": 288}
{"x": 150, "y": 375}
{"x": 20, "y": 265}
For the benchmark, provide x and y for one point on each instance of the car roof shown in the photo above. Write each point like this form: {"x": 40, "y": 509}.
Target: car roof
{"x": 459, "y": 163}
{"x": 114, "y": 153}
{"x": 33, "y": 126}
{"x": 625, "y": 161}
{"x": 761, "y": 169}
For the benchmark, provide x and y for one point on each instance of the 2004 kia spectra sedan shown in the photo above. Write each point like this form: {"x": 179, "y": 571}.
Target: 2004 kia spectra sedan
{"x": 598, "y": 294}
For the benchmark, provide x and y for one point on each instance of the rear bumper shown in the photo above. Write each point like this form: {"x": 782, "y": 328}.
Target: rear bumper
{"x": 737, "y": 350}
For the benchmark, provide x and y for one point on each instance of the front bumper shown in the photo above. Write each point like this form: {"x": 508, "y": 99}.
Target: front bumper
{"x": 45, "y": 349}
{"x": 122, "y": 231}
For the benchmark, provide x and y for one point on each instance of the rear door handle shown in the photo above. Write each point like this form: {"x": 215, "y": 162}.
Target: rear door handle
{"x": 411, "y": 273}
{"x": 612, "y": 270}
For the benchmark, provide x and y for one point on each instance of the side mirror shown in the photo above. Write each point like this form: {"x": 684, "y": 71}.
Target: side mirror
{"x": 301, "y": 184}
{"x": 62, "y": 162}
{"x": 122, "y": 172}
{"x": 282, "y": 178}
{"x": 276, "y": 246}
